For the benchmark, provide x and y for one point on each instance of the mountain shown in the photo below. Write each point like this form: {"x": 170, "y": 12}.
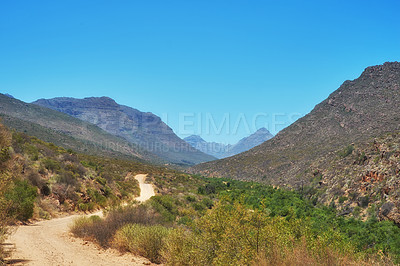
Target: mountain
{"x": 245, "y": 144}
{"x": 220, "y": 150}
{"x": 215, "y": 149}
{"x": 67, "y": 131}
{"x": 359, "y": 110}
{"x": 141, "y": 128}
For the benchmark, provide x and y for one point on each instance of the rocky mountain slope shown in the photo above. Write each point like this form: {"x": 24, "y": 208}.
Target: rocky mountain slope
{"x": 143, "y": 129}
{"x": 361, "y": 179}
{"x": 220, "y": 150}
{"x": 66, "y": 131}
{"x": 359, "y": 110}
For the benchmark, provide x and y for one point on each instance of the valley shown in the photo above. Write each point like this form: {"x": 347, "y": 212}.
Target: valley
{"x": 324, "y": 189}
{"x": 204, "y": 133}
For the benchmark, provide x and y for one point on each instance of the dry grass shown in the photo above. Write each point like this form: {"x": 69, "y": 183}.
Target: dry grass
{"x": 102, "y": 230}
{"x": 146, "y": 241}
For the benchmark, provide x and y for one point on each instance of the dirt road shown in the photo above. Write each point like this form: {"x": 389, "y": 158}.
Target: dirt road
{"x": 146, "y": 190}
{"x": 50, "y": 243}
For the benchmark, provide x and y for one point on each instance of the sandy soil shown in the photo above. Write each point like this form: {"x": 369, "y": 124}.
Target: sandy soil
{"x": 146, "y": 190}
{"x": 50, "y": 243}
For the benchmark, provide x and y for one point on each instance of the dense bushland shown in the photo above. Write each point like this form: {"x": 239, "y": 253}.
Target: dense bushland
{"x": 221, "y": 221}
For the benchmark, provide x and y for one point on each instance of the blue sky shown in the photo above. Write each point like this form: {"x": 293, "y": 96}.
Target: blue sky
{"x": 196, "y": 63}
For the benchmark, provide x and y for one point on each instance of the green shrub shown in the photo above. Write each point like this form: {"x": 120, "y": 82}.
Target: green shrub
{"x": 207, "y": 202}
{"x": 146, "y": 241}
{"x": 356, "y": 211}
{"x": 4, "y": 155}
{"x": 51, "y": 164}
{"x": 198, "y": 207}
{"x": 346, "y": 151}
{"x": 33, "y": 152}
{"x": 231, "y": 234}
{"x": 89, "y": 206}
{"x": 190, "y": 198}
{"x": 82, "y": 226}
{"x": 21, "y": 197}
{"x": 342, "y": 199}
{"x": 166, "y": 206}
{"x": 364, "y": 201}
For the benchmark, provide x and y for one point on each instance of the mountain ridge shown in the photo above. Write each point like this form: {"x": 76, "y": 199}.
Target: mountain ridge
{"x": 57, "y": 127}
{"x": 348, "y": 115}
{"x": 144, "y": 129}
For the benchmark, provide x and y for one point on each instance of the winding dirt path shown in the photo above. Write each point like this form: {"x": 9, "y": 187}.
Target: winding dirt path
{"x": 146, "y": 190}
{"x": 50, "y": 243}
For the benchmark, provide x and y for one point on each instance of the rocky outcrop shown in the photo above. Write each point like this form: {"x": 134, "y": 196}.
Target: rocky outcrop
{"x": 367, "y": 178}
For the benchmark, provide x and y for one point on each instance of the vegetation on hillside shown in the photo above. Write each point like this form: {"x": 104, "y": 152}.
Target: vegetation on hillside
{"x": 68, "y": 132}
{"x": 222, "y": 221}
{"x": 360, "y": 179}
{"x": 41, "y": 180}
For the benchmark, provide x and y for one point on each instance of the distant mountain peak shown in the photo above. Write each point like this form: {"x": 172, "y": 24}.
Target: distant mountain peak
{"x": 262, "y": 130}
{"x": 221, "y": 150}
{"x": 194, "y": 138}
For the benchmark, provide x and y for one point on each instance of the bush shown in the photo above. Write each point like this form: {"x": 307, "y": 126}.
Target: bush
{"x": 51, "y": 164}
{"x": 166, "y": 206}
{"x": 4, "y": 155}
{"x": 342, "y": 199}
{"x": 190, "y": 198}
{"x": 180, "y": 248}
{"x": 102, "y": 231}
{"x": 364, "y": 201}
{"x": 208, "y": 202}
{"x": 21, "y": 197}
{"x": 35, "y": 179}
{"x": 346, "y": 151}
{"x": 82, "y": 226}
{"x": 147, "y": 241}
{"x": 67, "y": 178}
{"x": 231, "y": 234}
{"x": 86, "y": 206}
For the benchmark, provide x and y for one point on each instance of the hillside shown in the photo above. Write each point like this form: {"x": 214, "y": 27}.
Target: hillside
{"x": 143, "y": 129}
{"x": 359, "y": 110}
{"x": 220, "y": 150}
{"x": 67, "y": 131}
{"x": 361, "y": 179}
{"x": 41, "y": 180}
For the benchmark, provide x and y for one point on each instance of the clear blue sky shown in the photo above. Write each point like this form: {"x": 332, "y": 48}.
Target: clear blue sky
{"x": 188, "y": 61}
